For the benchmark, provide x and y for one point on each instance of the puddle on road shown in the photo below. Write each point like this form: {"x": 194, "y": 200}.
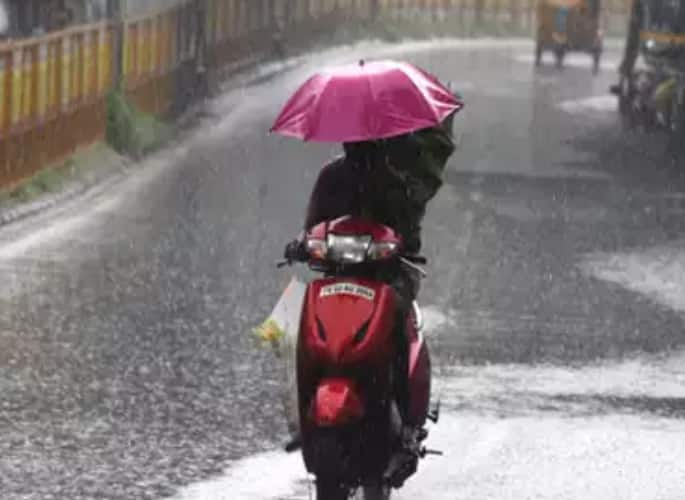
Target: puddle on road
{"x": 571, "y": 60}
{"x": 658, "y": 272}
{"x": 606, "y": 105}
{"x": 508, "y": 432}
{"x": 607, "y": 457}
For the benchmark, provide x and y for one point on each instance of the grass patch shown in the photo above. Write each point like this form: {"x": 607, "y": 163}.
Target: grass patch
{"x": 132, "y": 132}
{"x": 129, "y": 132}
{"x": 49, "y": 180}
{"x": 86, "y": 162}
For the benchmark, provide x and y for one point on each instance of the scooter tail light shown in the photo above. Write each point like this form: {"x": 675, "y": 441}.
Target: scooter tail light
{"x": 336, "y": 402}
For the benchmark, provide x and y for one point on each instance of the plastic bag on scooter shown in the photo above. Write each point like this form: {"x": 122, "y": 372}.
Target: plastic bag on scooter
{"x": 281, "y": 331}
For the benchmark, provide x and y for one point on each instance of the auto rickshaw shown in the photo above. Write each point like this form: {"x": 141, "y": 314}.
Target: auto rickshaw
{"x": 651, "y": 90}
{"x": 569, "y": 25}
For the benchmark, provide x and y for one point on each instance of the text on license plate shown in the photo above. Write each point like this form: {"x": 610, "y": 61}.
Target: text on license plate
{"x": 348, "y": 289}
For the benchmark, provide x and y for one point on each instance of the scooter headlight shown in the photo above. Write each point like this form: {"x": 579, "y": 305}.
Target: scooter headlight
{"x": 348, "y": 249}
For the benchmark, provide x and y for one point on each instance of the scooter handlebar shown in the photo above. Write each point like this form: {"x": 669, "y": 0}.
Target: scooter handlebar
{"x": 416, "y": 259}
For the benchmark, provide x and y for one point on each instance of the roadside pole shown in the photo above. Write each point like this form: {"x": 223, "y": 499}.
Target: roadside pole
{"x": 375, "y": 10}
{"x": 116, "y": 11}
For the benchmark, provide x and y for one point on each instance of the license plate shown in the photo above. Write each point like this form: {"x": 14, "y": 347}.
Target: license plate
{"x": 348, "y": 289}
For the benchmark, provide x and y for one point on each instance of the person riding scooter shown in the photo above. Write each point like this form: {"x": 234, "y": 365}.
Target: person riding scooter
{"x": 394, "y": 121}
{"x": 387, "y": 181}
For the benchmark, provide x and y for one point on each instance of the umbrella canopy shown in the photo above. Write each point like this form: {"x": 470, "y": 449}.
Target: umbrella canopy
{"x": 366, "y": 101}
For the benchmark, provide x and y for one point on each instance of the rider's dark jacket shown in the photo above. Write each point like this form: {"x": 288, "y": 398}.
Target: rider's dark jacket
{"x": 388, "y": 181}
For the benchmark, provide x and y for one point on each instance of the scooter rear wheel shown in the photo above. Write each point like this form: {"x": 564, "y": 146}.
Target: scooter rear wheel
{"x": 331, "y": 490}
{"x": 377, "y": 492}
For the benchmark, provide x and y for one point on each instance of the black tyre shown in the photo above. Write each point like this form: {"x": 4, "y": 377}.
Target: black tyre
{"x": 676, "y": 139}
{"x": 625, "y": 104}
{"x": 538, "y": 54}
{"x": 330, "y": 490}
{"x": 623, "y": 93}
{"x": 596, "y": 61}
{"x": 559, "y": 55}
{"x": 377, "y": 492}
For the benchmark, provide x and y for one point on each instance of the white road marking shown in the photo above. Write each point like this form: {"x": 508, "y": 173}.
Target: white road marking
{"x": 515, "y": 431}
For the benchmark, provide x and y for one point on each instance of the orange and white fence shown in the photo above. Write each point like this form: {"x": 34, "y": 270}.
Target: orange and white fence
{"x": 52, "y": 92}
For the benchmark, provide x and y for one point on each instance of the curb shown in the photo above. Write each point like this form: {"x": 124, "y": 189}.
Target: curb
{"x": 250, "y": 71}
{"x": 43, "y": 203}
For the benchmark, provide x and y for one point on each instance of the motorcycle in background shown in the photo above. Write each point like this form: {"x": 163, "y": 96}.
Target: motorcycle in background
{"x": 652, "y": 96}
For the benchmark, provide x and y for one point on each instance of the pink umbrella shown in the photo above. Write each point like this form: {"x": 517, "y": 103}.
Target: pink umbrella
{"x": 366, "y": 101}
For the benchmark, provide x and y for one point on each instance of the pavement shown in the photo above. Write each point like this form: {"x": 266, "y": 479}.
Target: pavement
{"x": 554, "y": 302}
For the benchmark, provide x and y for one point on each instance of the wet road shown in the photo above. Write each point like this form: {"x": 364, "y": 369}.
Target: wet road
{"x": 554, "y": 304}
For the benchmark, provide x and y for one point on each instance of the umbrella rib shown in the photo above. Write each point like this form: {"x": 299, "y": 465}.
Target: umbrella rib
{"x": 317, "y": 102}
{"x": 426, "y": 96}
{"x": 371, "y": 91}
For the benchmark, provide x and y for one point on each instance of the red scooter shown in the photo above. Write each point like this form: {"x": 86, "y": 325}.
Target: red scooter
{"x": 357, "y": 432}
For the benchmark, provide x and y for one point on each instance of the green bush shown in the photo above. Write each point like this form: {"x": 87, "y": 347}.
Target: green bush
{"x": 130, "y": 131}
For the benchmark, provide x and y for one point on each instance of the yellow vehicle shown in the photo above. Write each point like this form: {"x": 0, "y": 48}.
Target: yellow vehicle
{"x": 651, "y": 89}
{"x": 569, "y": 25}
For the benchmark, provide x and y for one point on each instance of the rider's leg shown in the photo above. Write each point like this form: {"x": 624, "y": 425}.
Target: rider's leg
{"x": 406, "y": 284}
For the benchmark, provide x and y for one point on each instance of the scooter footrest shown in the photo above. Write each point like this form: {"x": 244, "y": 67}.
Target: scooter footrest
{"x": 293, "y": 445}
